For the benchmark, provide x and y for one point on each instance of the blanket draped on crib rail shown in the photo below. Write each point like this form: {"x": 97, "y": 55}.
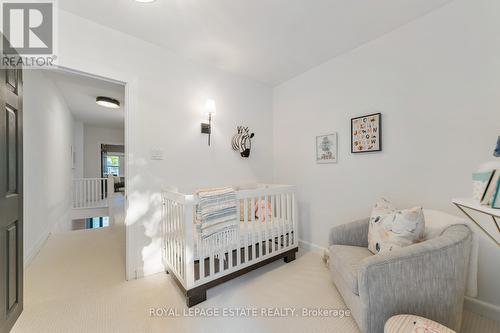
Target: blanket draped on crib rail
{"x": 216, "y": 219}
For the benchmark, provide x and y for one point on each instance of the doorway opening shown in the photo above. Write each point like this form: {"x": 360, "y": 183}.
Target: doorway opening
{"x": 91, "y": 181}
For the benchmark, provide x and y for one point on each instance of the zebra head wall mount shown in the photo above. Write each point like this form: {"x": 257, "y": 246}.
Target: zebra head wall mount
{"x": 242, "y": 141}
{"x": 209, "y": 109}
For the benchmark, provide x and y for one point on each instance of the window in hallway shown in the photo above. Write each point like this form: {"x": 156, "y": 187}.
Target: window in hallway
{"x": 97, "y": 222}
{"x": 90, "y": 223}
{"x": 113, "y": 165}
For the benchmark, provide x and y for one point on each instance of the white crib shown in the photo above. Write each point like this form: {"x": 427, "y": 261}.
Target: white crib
{"x": 267, "y": 232}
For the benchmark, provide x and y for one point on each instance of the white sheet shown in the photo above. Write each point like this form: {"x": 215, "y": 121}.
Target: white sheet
{"x": 435, "y": 223}
{"x": 249, "y": 235}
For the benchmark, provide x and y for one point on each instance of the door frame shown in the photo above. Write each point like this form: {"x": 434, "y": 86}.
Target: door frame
{"x": 130, "y": 84}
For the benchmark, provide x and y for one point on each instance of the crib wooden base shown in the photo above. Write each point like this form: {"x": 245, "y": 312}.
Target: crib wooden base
{"x": 199, "y": 294}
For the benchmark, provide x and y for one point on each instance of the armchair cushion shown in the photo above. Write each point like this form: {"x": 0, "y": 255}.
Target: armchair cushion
{"x": 346, "y": 259}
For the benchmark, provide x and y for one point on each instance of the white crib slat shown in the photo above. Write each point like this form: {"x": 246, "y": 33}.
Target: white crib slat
{"x": 266, "y": 226}
{"x": 184, "y": 237}
{"x": 278, "y": 219}
{"x": 162, "y": 228}
{"x": 246, "y": 229}
{"x": 283, "y": 218}
{"x": 274, "y": 228}
{"x": 167, "y": 221}
{"x": 261, "y": 227}
{"x": 238, "y": 247}
{"x": 172, "y": 236}
{"x": 289, "y": 216}
{"x": 169, "y": 233}
{"x": 255, "y": 232}
{"x": 176, "y": 235}
{"x": 258, "y": 229}
{"x": 201, "y": 257}
{"x": 180, "y": 237}
{"x": 211, "y": 267}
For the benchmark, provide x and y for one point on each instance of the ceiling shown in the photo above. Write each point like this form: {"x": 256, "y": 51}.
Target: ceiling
{"x": 268, "y": 40}
{"x": 80, "y": 92}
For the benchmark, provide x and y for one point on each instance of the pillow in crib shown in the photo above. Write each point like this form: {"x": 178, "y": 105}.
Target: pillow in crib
{"x": 390, "y": 228}
{"x": 263, "y": 211}
{"x": 260, "y": 209}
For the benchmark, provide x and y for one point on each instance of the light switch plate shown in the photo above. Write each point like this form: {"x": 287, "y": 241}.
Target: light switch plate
{"x": 156, "y": 154}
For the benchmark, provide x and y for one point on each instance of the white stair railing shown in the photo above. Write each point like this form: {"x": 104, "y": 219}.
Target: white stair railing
{"x": 92, "y": 192}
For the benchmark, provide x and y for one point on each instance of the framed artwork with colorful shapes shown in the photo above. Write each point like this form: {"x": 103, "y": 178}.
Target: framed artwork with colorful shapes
{"x": 366, "y": 133}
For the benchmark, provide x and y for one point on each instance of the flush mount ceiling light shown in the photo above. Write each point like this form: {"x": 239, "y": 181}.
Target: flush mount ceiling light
{"x": 108, "y": 102}
{"x": 145, "y": 1}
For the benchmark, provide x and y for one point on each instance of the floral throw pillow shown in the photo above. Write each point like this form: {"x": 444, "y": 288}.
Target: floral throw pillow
{"x": 391, "y": 228}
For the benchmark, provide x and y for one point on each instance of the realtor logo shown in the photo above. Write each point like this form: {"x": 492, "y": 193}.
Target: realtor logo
{"x": 28, "y": 28}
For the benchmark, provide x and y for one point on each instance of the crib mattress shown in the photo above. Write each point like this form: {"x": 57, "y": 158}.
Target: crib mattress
{"x": 248, "y": 235}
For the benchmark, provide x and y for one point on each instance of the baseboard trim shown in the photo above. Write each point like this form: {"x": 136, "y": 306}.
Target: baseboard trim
{"x": 29, "y": 256}
{"x": 483, "y": 308}
{"x": 311, "y": 247}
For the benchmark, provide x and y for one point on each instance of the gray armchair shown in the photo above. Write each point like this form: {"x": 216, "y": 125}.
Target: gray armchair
{"x": 425, "y": 279}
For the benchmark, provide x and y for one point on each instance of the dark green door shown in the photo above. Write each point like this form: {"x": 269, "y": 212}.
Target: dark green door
{"x": 11, "y": 198}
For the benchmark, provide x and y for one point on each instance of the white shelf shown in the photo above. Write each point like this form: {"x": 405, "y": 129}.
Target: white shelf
{"x": 468, "y": 203}
{"x": 473, "y": 204}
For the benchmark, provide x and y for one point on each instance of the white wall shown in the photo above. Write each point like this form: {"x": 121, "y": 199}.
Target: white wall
{"x": 48, "y": 136}
{"x": 94, "y": 137}
{"x": 166, "y": 115}
{"x": 436, "y": 82}
{"x": 79, "y": 145}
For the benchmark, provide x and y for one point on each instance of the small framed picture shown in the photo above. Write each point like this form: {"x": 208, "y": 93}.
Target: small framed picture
{"x": 366, "y": 133}
{"x": 326, "y": 148}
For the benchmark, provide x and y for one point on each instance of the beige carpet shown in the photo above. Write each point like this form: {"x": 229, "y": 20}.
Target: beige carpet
{"x": 76, "y": 284}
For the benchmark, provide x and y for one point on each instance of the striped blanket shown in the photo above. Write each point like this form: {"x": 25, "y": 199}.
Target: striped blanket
{"x": 216, "y": 218}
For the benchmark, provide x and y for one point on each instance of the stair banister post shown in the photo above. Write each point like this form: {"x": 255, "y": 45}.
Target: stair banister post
{"x": 111, "y": 191}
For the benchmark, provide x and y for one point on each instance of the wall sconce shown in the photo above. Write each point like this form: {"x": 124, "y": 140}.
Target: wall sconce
{"x": 210, "y": 110}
